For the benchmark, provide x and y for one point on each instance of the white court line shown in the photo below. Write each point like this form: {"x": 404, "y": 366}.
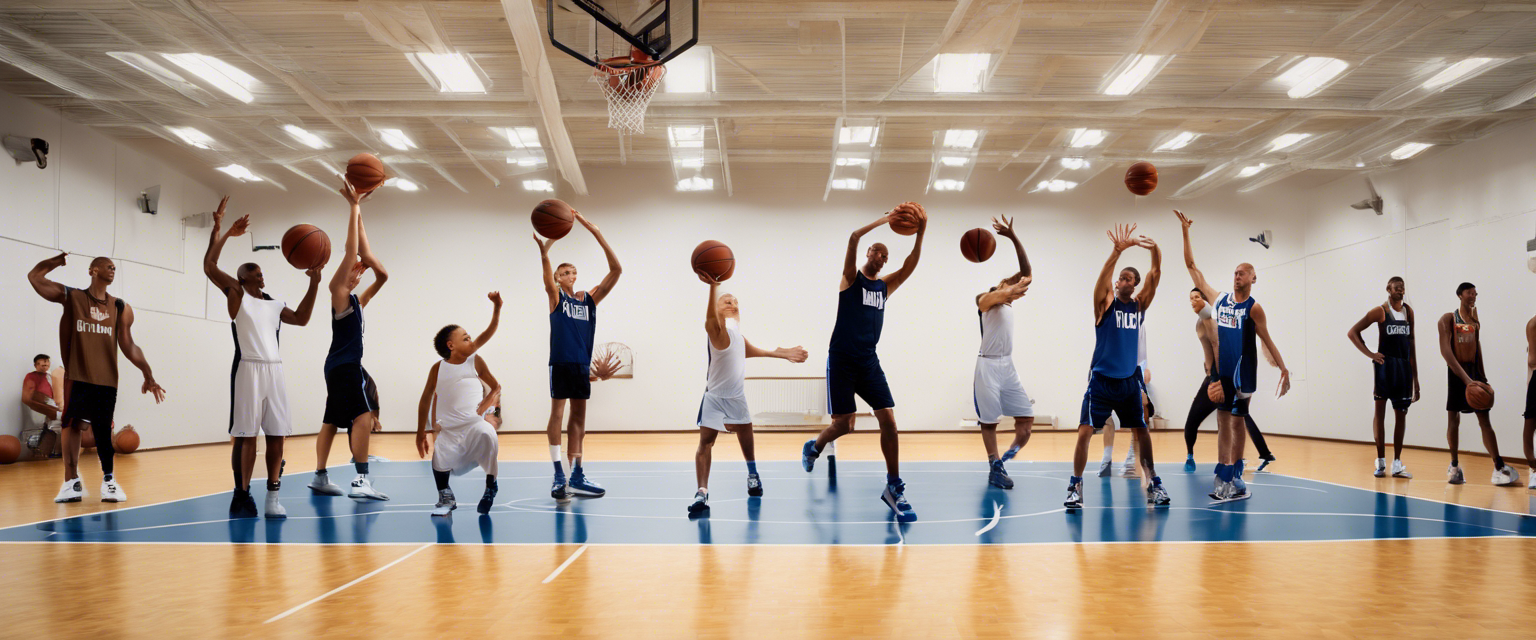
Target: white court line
{"x": 819, "y": 545}
{"x": 565, "y": 564}
{"x": 365, "y": 576}
{"x": 996, "y": 516}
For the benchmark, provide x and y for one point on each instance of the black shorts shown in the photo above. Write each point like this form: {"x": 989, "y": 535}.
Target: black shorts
{"x": 1394, "y": 382}
{"x": 91, "y": 403}
{"x": 1456, "y": 395}
{"x": 1120, "y": 396}
{"x": 848, "y": 377}
{"x": 1237, "y": 406}
{"x": 1530, "y": 398}
{"x": 349, "y": 393}
{"x": 570, "y": 381}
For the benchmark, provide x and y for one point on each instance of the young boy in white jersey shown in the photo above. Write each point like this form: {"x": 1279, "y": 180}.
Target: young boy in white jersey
{"x": 995, "y": 389}
{"x": 724, "y": 407}
{"x": 464, "y": 439}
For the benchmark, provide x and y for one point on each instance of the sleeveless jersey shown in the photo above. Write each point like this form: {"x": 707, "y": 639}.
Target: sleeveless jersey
{"x": 346, "y": 336}
{"x": 997, "y": 331}
{"x": 1394, "y": 338}
{"x": 728, "y": 367}
{"x": 572, "y": 325}
{"x": 1464, "y": 337}
{"x": 44, "y": 383}
{"x": 256, "y": 326}
{"x": 1118, "y": 339}
{"x": 860, "y": 315}
{"x": 89, "y": 337}
{"x": 458, "y": 394}
{"x": 1237, "y": 344}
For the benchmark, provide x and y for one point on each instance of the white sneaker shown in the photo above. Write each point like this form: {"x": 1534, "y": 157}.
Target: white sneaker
{"x": 323, "y": 486}
{"x": 1453, "y": 475}
{"x": 362, "y": 489}
{"x": 71, "y": 491}
{"x": 1400, "y": 470}
{"x": 1505, "y": 476}
{"x": 1105, "y": 468}
{"x": 1532, "y": 485}
{"x": 111, "y": 492}
{"x": 1129, "y": 470}
{"x": 274, "y": 508}
{"x": 1381, "y": 467}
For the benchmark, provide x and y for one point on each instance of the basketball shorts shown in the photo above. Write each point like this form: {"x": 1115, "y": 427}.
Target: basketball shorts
{"x": 1394, "y": 382}
{"x": 853, "y": 376}
{"x": 91, "y": 403}
{"x": 1236, "y": 401}
{"x": 461, "y": 448}
{"x": 717, "y": 411}
{"x": 1456, "y": 395}
{"x": 1530, "y": 398}
{"x": 570, "y": 381}
{"x": 348, "y": 394}
{"x": 997, "y": 392}
{"x": 1120, "y": 396}
{"x": 259, "y": 400}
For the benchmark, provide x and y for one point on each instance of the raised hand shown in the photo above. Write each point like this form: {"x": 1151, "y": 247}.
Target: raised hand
{"x": 1145, "y": 242}
{"x": 56, "y": 261}
{"x": 218, "y": 214}
{"x": 1121, "y": 236}
{"x": 543, "y": 244}
{"x": 495, "y": 297}
{"x": 350, "y": 192}
{"x": 1004, "y": 227}
{"x": 706, "y": 279}
{"x": 584, "y": 221}
{"x": 314, "y": 272}
{"x": 1183, "y": 220}
{"x": 240, "y": 226}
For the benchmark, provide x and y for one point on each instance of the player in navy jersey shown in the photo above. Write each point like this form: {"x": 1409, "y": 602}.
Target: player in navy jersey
{"x": 1239, "y": 321}
{"x": 572, "y": 325}
{"x": 1115, "y": 384}
{"x": 1397, "y": 371}
{"x": 853, "y": 368}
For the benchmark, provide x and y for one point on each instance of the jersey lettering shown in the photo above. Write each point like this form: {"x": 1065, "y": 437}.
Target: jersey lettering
{"x": 874, "y": 299}
{"x": 91, "y": 327}
{"x": 575, "y": 312}
{"x": 1397, "y": 330}
{"x": 1230, "y": 317}
{"x": 1125, "y": 320}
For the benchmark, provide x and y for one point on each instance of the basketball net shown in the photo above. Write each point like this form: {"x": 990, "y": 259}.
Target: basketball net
{"x": 628, "y": 88}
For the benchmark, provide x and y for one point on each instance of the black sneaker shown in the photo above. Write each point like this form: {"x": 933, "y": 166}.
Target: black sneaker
{"x": 487, "y": 500}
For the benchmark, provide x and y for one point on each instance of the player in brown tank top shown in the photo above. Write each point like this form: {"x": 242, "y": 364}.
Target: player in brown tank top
{"x": 95, "y": 325}
{"x": 1461, "y": 347}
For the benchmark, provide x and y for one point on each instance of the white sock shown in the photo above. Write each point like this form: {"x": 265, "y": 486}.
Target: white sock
{"x": 1109, "y": 453}
{"x": 704, "y": 491}
{"x": 558, "y": 458}
{"x": 1382, "y": 462}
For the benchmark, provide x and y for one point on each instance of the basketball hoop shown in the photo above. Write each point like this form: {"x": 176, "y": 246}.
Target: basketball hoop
{"x": 628, "y": 83}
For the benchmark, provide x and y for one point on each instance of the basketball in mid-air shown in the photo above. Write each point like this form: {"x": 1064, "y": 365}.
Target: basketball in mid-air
{"x": 305, "y": 246}
{"x": 714, "y": 260}
{"x": 366, "y": 172}
{"x": 553, "y": 219}
{"x": 977, "y": 245}
{"x": 1141, "y": 178}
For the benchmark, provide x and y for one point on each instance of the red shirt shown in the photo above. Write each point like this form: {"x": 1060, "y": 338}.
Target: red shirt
{"x": 44, "y": 384}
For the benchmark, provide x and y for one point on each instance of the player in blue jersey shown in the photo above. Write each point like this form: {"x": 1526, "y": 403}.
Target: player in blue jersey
{"x": 572, "y": 325}
{"x": 1239, "y": 320}
{"x": 350, "y": 399}
{"x": 1115, "y": 384}
{"x": 853, "y": 368}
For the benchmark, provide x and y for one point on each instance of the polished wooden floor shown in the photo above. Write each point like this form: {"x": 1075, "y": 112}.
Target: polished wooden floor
{"x": 1439, "y": 588}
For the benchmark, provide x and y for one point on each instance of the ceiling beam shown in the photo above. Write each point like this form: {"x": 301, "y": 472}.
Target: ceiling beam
{"x": 531, "y": 54}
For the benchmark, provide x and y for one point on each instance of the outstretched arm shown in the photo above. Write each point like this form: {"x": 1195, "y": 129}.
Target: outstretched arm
{"x": 1154, "y": 275}
{"x": 1205, "y": 288}
{"x": 38, "y": 276}
{"x": 718, "y": 338}
{"x": 136, "y": 356}
{"x": 338, "y": 287}
{"x": 614, "y": 268}
{"x": 370, "y": 260}
{"x": 1371, "y": 317}
{"x": 494, "y": 396}
{"x": 792, "y": 354}
{"x": 1003, "y": 295}
{"x": 490, "y": 330}
{"x": 424, "y": 411}
{"x": 223, "y": 281}
{"x": 1103, "y": 288}
{"x": 307, "y": 305}
{"x": 851, "y": 260}
{"x": 550, "y": 288}
{"x": 1004, "y": 228}
{"x": 1261, "y": 327}
{"x": 894, "y": 281}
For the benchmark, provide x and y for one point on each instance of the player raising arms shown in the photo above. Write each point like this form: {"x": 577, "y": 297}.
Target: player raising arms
{"x": 1397, "y": 371}
{"x": 996, "y": 390}
{"x": 1115, "y": 384}
{"x": 464, "y": 439}
{"x": 258, "y": 393}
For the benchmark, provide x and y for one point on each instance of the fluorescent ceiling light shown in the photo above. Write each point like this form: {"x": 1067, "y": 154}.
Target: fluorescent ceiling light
{"x": 1456, "y": 72}
{"x": 192, "y": 136}
{"x": 538, "y": 185}
{"x": 691, "y": 163}
{"x": 1178, "y": 142}
{"x": 1134, "y": 75}
{"x": 154, "y": 69}
{"x": 852, "y": 135}
{"x": 452, "y": 72}
{"x": 1074, "y": 163}
{"x": 397, "y": 139}
{"x": 852, "y": 162}
{"x": 1287, "y": 141}
{"x": 1057, "y": 186}
{"x": 240, "y": 173}
{"x": 310, "y": 139}
{"x": 525, "y": 161}
{"x": 1310, "y": 75}
{"x": 1409, "y": 150}
{"x": 1252, "y": 169}
{"x": 961, "y": 138}
{"x": 948, "y": 185}
{"x": 691, "y": 72}
{"x": 1082, "y": 138}
{"x": 520, "y": 137}
{"x": 954, "y": 161}
{"x": 216, "y": 72}
{"x": 960, "y": 72}
{"x": 847, "y": 184}
{"x": 686, "y": 137}
{"x": 402, "y": 184}
{"x": 696, "y": 183}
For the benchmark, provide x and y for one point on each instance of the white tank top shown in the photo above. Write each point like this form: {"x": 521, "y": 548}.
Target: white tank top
{"x": 256, "y": 326}
{"x": 728, "y": 367}
{"x": 997, "y": 331}
{"x": 458, "y": 393}
{"x": 1400, "y": 316}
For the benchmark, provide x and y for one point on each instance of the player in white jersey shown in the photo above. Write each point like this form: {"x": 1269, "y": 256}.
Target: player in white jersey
{"x": 464, "y": 439}
{"x": 996, "y": 390}
{"x": 258, "y": 394}
{"x": 724, "y": 407}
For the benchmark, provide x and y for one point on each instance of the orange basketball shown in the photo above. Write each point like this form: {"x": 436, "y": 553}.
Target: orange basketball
{"x": 1480, "y": 396}
{"x": 633, "y": 82}
{"x": 126, "y": 440}
{"x": 10, "y": 449}
{"x": 1141, "y": 178}
{"x": 905, "y": 218}
{"x": 1215, "y": 392}
{"x": 365, "y": 172}
{"x": 714, "y": 260}
{"x": 977, "y": 245}
{"x": 305, "y": 246}
{"x": 553, "y": 219}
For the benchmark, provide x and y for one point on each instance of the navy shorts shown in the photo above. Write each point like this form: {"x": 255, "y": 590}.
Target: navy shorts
{"x": 1456, "y": 394}
{"x": 91, "y": 403}
{"x": 1394, "y": 381}
{"x": 349, "y": 393}
{"x": 847, "y": 377}
{"x": 1120, "y": 396}
{"x": 1237, "y": 406}
{"x": 1530, "y": 398}
{"x": 570, "y": 381}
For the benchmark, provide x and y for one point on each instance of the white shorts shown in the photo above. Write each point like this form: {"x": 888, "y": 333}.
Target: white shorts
{"x": 998, "y": 392}
{"x": 259, "y": 402}
{"x": 715, "y": 412}
{"x": 462, "y": 448}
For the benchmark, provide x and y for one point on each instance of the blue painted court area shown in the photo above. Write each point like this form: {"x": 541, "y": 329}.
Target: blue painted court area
{"x": 646, "y": 504}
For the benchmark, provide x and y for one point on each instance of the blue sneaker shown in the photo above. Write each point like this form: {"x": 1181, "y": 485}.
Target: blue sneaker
{"x": 1074, "y": 496}
{"x": 895, "y": 498}
{"x": 700, "y": 503}
{"x": 808, "y": 455}
{"x": 559, "y": 490}
{"x": 1189, "y": 464}
{"x": 581, "y": 486}
{"x": 998, "y": 477}
{"x": 754, "y": 485}
{"x": 1009, "y": 454}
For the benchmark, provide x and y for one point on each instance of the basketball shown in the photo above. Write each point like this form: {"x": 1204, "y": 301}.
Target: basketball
{"x": 629, "y": 81}
{"x": 10, "y": 449}
{"x": 87, "y": 438}
{"x": 305, "y": 246}
{"x": 714, "y": 260}
{"x": 904, "y": 219}
{"x": 1141, "y": 178}
{"x": 365, "y": 172}
{"x": 1480, "y": 396}
{"x": 553, "y": 219}
{"x": 126, "y": 440}
{"x": 977, "y": 245}
{"x": 1215, "y": 393}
